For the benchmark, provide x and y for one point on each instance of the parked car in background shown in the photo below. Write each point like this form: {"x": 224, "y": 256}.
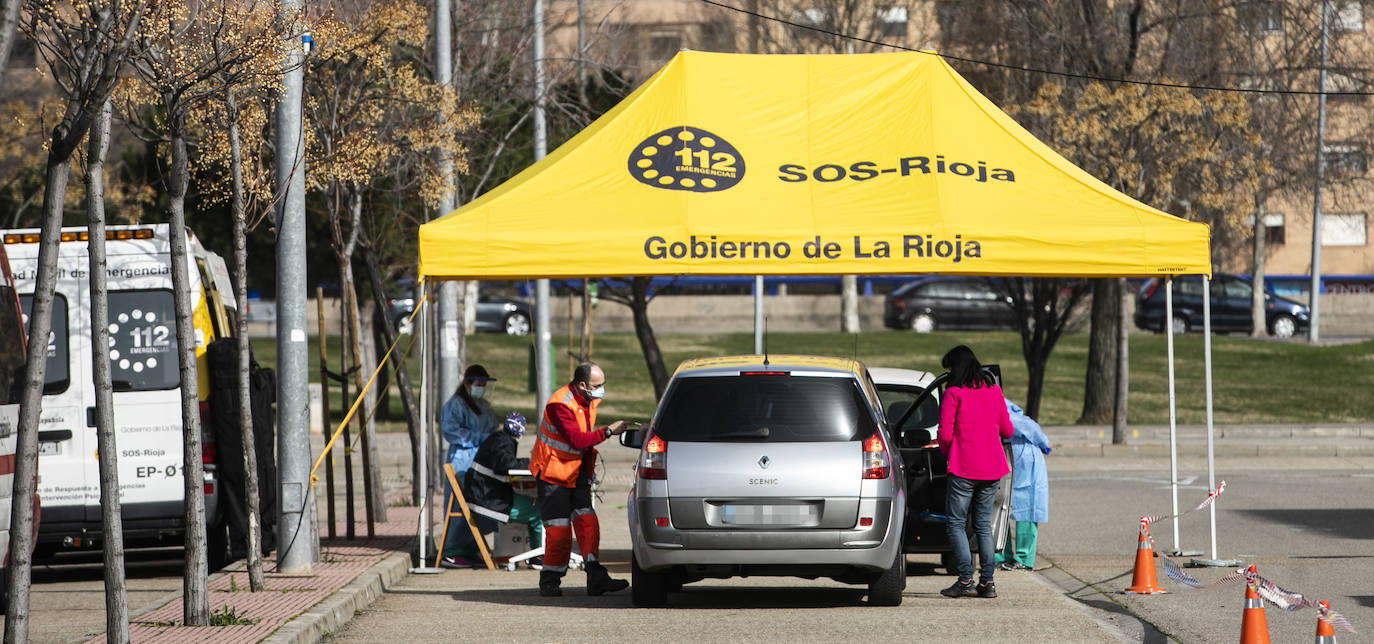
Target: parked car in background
{"x": 933, "y": 303}
{"x": 767, "y": 466}
{"x": 495, "y": 314}
{"x": 1231, "y": 296}
{"x": 927, "y": 470}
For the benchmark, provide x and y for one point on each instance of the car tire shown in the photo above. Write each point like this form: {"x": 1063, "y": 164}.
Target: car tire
{"x": 647, "y": 589}
{"x": 1283, "y": 326}
{"x": 886, "y": 588}
{"x": 402, "y": 324}
{"x": 922, "y": 323}
{"x": 1180, "y": 325}
{"x": 516, "y": 323}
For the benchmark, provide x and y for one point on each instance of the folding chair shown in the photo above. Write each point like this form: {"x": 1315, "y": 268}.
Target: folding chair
{"x": 457, "y": 495}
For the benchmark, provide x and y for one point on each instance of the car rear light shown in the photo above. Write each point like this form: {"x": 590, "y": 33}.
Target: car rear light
{"x": 654, "y": 465}
{"x": 876, "y": 463}
{"x": 1150, "y": 287}
{"x": 208, "y": 452}
{"x": 900, "y": 305}
{"x": 865, "y": 522}
{"x": 661, "y": 522}
{"x": 763, "y": 373}
{"x": 209, "y": 488}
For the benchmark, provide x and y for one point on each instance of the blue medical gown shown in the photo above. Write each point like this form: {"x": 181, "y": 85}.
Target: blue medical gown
{"x": 1030, "y": 485}
{"x": 464, "y": 430}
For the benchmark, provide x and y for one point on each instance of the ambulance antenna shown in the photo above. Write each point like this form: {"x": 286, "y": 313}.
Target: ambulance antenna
{"x": 765, "y": 341}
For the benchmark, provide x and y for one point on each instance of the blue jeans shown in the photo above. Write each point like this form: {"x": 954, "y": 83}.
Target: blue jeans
{"x": 960, "y": 492}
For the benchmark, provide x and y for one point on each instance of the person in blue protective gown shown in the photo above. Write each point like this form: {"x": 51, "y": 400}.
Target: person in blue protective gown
{"x": 466, "y": 420}
{"x": 1030, "y": 490}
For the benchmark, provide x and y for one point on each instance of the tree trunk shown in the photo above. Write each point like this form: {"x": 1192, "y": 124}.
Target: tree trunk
{"x": 1257, "y": 321}
{"x": 250, "y": 461}
{"x": 1123, "y": 366}
{"x": 372, "y": 493}
{"x": 1099, "y": 385}
{"x": 31, "y": 403}
{"x": 648, "y": 344}
{"x": 9, "y": 20}
{"x": 849, "y": 304}
{"x": 196, "y": 600}
{"x": 374, "y": 276}
{"x": 111, "y": 522}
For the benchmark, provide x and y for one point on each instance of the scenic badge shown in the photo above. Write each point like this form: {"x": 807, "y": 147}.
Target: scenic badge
{"x": 686, "y": 158}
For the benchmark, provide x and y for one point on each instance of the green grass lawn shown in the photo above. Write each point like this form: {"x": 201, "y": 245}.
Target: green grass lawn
{"x": 1254, "y": 381}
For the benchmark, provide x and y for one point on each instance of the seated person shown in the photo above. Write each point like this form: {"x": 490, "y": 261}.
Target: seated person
{"x": 490, "y": 497}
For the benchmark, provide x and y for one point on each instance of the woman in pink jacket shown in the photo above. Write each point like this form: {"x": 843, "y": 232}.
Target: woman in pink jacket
{"x": 973, "y": 422}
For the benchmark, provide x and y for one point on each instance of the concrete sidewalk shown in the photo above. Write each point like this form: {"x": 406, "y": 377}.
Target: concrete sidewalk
{"x": 352, "y": 575}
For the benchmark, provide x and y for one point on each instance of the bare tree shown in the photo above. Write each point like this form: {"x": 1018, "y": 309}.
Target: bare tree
{"x": 85, "y": 45}
{"x": 9, "y": 20}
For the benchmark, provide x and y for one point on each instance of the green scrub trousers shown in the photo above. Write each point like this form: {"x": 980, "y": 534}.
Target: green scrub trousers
{"x": 1022, "y": 544}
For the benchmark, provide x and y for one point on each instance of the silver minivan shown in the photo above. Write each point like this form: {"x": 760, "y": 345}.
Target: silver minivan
{"x": 767, "y": 466}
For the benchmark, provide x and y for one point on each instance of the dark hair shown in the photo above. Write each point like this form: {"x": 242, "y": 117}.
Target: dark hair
{"x": 473, "y": 373}
{"x": 583, "y": 373}
{"x": 964, "y": 369}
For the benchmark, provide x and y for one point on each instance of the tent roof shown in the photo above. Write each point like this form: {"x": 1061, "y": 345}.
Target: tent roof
{"x": 739, "y": 164}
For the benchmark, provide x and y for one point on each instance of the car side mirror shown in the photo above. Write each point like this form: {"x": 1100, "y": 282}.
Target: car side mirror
{"x": 631, "y": 438}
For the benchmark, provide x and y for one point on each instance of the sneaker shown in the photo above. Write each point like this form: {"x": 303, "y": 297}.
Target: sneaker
{"x": 455, "y": 562}
{"x": 987, "y": 590}
{"x": 961, "y": 588}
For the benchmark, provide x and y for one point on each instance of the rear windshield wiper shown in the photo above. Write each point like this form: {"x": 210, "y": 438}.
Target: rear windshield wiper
{"x": 760, "y": 432}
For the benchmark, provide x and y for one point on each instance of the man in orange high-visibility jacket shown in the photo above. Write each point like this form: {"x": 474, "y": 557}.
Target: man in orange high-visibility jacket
{"x": 564, "y": 461}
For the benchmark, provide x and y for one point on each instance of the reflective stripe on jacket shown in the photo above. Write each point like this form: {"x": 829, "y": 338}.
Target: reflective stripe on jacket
{"x": 554, "y": 459}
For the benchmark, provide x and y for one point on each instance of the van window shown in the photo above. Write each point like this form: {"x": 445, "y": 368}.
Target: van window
{"x": 143, "y": 351}
{"x": 58, "y": 374}
{"x": 11, "y": 346}
{"x": 764, "y": 408}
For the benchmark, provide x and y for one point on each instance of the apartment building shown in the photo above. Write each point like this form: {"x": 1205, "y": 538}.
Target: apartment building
{"x": 636, "y": 37}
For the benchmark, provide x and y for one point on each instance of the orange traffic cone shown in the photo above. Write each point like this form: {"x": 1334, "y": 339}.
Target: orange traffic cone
{"x": 1253, "y": 628}
{"x": 1325, "y": 633}
{"x": 1143, "y": 580}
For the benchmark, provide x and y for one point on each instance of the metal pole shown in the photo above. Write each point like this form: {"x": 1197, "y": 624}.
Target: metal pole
{"x": 1316, "y": 288}
{"x": 1174, "y": 442}
{"x": 424, "y": 537}
{"x": 324, "y": 410}
{"x": 296, "y": 548}
{"x": 543, "y": 336}
{"x": 1211, "y": 460}
{"x": 758, "y": 315}
{"x": 448, "y": 290}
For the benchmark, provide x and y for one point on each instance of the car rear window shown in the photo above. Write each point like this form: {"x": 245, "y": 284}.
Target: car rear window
{"x": 764, "y": 408}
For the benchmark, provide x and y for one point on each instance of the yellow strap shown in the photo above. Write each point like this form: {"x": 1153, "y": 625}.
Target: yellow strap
{"x": 363, "y": 392}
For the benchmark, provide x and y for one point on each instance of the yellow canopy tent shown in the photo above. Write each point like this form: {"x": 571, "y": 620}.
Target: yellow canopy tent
{"x": 736, "y": 164}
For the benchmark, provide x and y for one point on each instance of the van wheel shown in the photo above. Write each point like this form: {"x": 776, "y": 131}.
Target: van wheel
{"x": 217, "y": 546}
{"x": 647, "y": 589}
{"x": 886, "y": 588}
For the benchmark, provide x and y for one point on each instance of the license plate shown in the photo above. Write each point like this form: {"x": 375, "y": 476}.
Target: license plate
{"x": 49, "y": 448}
{"x": 789, "y": 514}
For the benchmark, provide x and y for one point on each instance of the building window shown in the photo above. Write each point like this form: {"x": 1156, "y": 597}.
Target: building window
{"x": 1345, "y": 229}
{"x": 1348, "y": 80}
{"x": 820, "y": 20}
{"x": 1348, "y": 16}
{"x": 664, "y": 44}
{"x": 1343, "y": 159}
{"x": 1261, "y": 17}
{"x": 1273, "y": 230}
{"x": 892, "y": 21}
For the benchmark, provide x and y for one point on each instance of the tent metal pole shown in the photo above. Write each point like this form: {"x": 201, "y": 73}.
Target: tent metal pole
{"x": 422, "y": 328}
{"x": 758, "y": 315}
{"x": 1211, "y": 460}
{"x": 1173, "y": 416}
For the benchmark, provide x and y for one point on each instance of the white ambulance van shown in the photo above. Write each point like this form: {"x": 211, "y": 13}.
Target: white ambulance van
{"x": 12, "y": 361}
{"x": 147, "y": 393}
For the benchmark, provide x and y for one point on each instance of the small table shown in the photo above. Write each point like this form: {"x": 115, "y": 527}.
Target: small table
{"x": 524, "y": 483}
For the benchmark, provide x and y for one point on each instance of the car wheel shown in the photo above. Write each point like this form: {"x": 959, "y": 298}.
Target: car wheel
{"x": 1180, "y": 325}
{"x": 516, "y": 323}
{"x": 402, "y": 324}
{"x": 647, "y": 589}
{"x": 1283, "y": 326}
{"x": 922, "y": 323}
{"x": 886, "y": 587}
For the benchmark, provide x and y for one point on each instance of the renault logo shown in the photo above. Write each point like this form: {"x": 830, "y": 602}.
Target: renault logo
{"x": 764, "y": 461}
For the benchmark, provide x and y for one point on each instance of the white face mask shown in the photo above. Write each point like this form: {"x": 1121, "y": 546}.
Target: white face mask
{"x": 598, "y": 393}
{"x": 478, "y": 391}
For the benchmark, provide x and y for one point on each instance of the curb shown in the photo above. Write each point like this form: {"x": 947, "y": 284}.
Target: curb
{"x": 337, "y": 609}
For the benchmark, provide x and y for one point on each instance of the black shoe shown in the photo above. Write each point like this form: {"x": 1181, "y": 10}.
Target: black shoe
{"x": 550, "y": 584}
{"x": 961, "y": 588}
{"x": 987, "y": 590}
{"x": 599, "y": 580}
